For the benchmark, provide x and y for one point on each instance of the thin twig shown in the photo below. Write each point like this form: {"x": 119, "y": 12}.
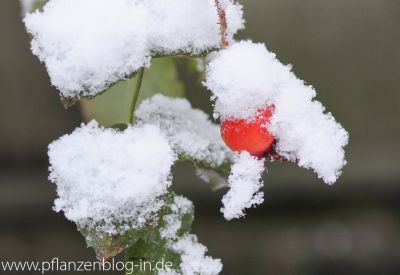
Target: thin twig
{"x": 136, "y": 91}
{"x": 223, "y": 24}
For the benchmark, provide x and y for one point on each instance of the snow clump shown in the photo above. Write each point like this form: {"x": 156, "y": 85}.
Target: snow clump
{"x": 108, "y": 180}
{"x": 193, "y": 254}
{"x": 244, "y": 182}
{"x": 246, "y": 77}
{"x": 189, "y": 131}
{"x": 87, "y": 45}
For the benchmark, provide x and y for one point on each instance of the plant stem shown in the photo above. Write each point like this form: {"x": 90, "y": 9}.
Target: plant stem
{"x": 223, "y": 24}
{"x": 136, "y": 92}
{"x": 184, "y": 54}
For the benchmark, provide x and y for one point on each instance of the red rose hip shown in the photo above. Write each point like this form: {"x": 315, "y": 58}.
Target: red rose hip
{"x": 251, "y": 136}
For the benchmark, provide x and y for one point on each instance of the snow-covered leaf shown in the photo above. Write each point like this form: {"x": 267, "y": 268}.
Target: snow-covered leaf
{"x": 88, "y": 45}
{"x": 109, "y": 180}
{"x": 189, "y": 131}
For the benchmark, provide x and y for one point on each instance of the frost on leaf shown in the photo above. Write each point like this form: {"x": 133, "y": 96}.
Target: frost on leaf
{"x": 111, "y": 181}
{"x": 88, "y": 45}
{"x": 245, "y": 183}
{"x": 246, "y": 77}
{"x": 190, "y": 132}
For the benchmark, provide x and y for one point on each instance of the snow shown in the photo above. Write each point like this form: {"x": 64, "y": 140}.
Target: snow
{"x": 111, "y": 181}
{"x": 189, "y": 131}
{"x": 87, "y": 45}
{"x": 179, "y": 208}
{"x": 193, "y": 258}
{"x": 245, "y": 183}
{"x": 108, "y": 180}
{"x": 246, "y": 76}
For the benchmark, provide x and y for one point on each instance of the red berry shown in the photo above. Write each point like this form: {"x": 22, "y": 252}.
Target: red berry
{"x": 251, "y": 136}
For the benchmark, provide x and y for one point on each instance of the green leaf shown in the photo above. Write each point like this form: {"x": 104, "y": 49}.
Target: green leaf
{"x": 113, "y": 105}
{"x": 107, "y": 246}
{"x": 142, "y": 244}
{"x": 120, "y": 126}
{"x": 154, "y": 247}
{"x": 38, "y": 5}
{"x": 156, "y": 242}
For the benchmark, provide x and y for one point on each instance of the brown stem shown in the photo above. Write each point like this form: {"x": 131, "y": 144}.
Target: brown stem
{"x": 223, "y": 24}
{"x": 68, "y": 101}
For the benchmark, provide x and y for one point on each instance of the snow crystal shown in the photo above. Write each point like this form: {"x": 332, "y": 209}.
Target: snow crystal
{"x": 88, "y": 45}
{"x": 110, "y": 180}
{"x": 245, "y": 182}
{"x": 246, "y": 76}
{"x": 189, "y": 131}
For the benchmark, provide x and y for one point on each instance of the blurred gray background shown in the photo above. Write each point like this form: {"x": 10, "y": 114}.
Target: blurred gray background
{"x": 349, "y": 50}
